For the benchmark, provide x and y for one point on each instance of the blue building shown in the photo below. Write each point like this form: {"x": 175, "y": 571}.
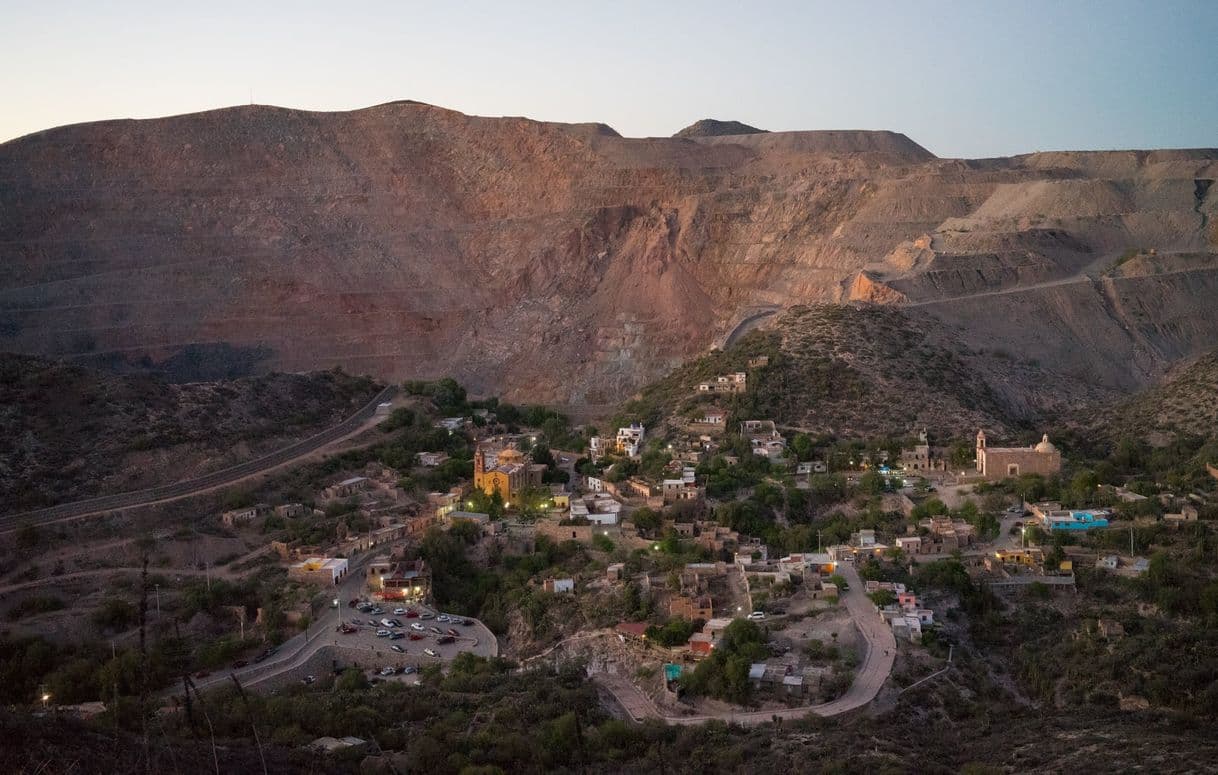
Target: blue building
{"x": 1075, "y": 520}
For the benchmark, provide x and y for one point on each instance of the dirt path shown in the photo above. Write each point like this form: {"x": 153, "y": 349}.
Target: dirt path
{"x": 1091, "y": 273}
{"x": 363, "y": 420}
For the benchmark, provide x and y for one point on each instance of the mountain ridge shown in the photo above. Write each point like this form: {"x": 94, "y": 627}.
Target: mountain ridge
{"x": 567, "y": 263}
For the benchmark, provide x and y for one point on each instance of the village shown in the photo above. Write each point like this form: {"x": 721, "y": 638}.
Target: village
{"x": 664, "y": 514}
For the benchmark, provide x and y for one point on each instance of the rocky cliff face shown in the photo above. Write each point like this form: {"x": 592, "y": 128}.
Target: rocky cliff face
{"x": 564, "y": 263}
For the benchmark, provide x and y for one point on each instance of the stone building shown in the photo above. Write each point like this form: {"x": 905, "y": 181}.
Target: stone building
{"x": 508, "y": 475}
{"x": 1003, "y": 462}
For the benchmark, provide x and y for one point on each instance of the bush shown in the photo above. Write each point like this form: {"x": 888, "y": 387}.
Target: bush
{"x": 38, "y": 604}
{"x": 114, "y": 614}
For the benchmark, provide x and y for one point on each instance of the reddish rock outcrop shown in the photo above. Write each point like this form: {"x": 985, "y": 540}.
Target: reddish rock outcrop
{"x": 560, "y": 263}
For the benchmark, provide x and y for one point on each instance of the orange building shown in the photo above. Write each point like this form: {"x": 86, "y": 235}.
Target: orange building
{"x": 509, "y": 474}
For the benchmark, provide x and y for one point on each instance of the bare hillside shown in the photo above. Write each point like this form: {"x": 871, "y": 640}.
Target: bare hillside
{"x": 564, "y": 263}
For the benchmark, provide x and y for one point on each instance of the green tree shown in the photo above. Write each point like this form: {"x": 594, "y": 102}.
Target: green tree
{"x": 646, "y": 520}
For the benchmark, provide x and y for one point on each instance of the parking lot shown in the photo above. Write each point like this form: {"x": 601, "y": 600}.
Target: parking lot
{"x": 416, "y": 635}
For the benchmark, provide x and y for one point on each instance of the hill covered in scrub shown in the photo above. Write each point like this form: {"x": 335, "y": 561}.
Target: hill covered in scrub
{"x": 1185, "y": 403}
{"x": 858, "y": 370}
{"x": 68, "y": 432}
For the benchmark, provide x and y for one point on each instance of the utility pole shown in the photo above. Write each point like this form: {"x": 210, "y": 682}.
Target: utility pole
{"x": 158, "y": 601}
{"x": 818, "y": 542}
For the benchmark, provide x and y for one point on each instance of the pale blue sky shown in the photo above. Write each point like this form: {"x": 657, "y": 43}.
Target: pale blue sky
{"x": 962, "y": 78}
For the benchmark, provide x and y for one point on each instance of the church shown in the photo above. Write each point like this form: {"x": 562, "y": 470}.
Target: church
{"x": 507, "y": 472}
{"x": 1003, "y": 462}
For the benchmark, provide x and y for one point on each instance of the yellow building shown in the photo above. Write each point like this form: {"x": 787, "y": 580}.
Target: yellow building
{"x": 508, "y": 475}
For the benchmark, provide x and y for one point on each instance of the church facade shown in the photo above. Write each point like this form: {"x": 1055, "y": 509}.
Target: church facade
{"x": 1003, "y": 462}
{"x": 507, "y": 474}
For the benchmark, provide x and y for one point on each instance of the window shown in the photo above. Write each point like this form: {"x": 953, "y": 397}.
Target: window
{"x": 1012, "y": 469}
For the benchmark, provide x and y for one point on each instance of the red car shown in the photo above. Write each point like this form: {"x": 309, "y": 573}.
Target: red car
{"x": 412, "y": 614}
{"x": 415, "y": 636}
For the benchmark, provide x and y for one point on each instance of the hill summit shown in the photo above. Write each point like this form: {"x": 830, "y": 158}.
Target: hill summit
{"x": 710, "y": 127}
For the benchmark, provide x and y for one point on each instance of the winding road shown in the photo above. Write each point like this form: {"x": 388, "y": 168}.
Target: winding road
{"x": 64, "y": 512}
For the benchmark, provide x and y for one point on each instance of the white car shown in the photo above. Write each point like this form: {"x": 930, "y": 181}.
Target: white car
{"x": 416, "y": 626}
{"x": 430, "y": 652}
{"x": 442, "y": 618}
{"x": 388, "y": 671}
{"x": 757, "y": 615}
{"x": 399, "y": 612}
{"x": 387, "y": 623}
{"x": 398, "y": 648}
{"x": 382, "y": 633}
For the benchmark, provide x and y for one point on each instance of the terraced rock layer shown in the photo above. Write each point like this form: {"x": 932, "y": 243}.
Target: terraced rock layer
{"x": 567, "y": 264}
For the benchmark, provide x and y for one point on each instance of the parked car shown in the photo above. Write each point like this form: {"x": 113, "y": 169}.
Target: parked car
{"x": 416, "y": 626}
{"x": 426, "y": 615}
{"x": 387, "y": 623}
{"x": 352, "y": 603}
{"x": 382, "y": 633}
{"x": 430, "y": 652}
{"x": 409, "y": 670}
{"x": 308, "y": 679}
{"x": 757, "y": 615}
{"x": 415, "y": 636}
{"x": 399, "y": 611}
{"x": 412, "y": 614}
{"x": 453, "y": 632}
{"x": 467, "y": 622}
{"x": 445, "y": 639}
{"x": 388, "y": 671}
{"x": 442, "y": 617}
{"x": 398, "y": 648}
{"x": 396, "y": 635}
{"x": 397, "y": 622}
{"x": 436, "y": 630}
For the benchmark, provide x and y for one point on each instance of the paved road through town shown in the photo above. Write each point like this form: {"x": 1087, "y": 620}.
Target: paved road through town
{"x": 357, "y": 422}
{"x": 294, "y": 653}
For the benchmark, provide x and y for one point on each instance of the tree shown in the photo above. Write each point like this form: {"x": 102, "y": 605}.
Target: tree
{"x": 646, "y": 520}
{"x": 448, "y": 395}
{"x": 352, "y": 680}
{"x": 883, "y": 597}
{"x": 802, "y": 446}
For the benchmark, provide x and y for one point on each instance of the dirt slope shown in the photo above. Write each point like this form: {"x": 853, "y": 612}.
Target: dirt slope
{"x": 564, "y": 263}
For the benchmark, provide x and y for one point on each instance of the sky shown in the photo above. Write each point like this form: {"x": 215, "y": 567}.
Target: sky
{"x": 964, "y": 79}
